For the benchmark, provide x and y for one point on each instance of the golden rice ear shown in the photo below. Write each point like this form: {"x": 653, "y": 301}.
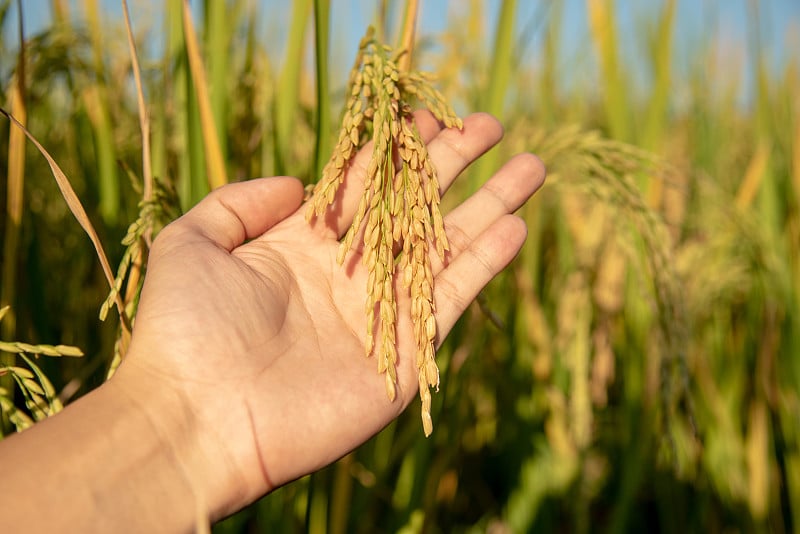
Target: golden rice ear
{"x": 399, "y": 207}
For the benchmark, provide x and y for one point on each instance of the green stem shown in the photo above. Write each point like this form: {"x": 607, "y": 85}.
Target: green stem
{"x": 190, "y": 181}
{"x": 318, "y": 498}
{"x": 15, "y": 188}
{"x": 218, "y": 20}
{"x": 211, "y": 148}
{"x": 286, "y": 105}
{"x": 341, "y": 497}
{"x": 407, "y": 34}
{"x": 499, "y": 76}
{"x": 99, "y": 116}
{"x": 321, "y": 32}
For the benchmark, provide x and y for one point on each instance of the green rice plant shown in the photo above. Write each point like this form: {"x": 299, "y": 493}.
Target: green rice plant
{"x": 218, "y": 32}
{"x": 549, "y": 90}
{"x": 321, "y": 38}
{"x": 36, "y": 390}
{"x": 14, "y": 201}
{"x": 189, "y": 174}
{"x": 77, "y": 210}
{"x": 592, "y": 175}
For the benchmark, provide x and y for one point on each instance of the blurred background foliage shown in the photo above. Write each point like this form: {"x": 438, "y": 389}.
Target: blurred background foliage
{"x": 636, "y": 369}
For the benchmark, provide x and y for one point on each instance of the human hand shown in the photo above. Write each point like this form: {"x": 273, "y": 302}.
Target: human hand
{"x": 249, "y": 338}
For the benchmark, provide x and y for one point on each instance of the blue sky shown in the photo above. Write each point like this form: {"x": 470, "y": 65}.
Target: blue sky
{"x": 726, "y": 20}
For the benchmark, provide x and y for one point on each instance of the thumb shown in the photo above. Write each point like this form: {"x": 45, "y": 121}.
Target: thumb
{"x": 236, "y": 212}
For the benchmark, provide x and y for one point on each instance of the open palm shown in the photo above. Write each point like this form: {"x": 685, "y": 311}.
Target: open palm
{"x": 246, "y": 314}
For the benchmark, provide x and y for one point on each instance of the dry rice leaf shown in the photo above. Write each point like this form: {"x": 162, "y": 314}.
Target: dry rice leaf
{"x": 144, "y": 119}
{"x": 75, "y": 206}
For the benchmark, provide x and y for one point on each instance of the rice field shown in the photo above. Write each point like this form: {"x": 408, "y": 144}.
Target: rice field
{"x": 637, "y": 368}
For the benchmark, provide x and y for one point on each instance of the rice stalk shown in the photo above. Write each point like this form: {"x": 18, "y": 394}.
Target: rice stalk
{"x": 318, "y": 500}
{"x": 500, "y": 74}
{"x": 604, "y": 169}
{"x": 247, "y": 138}
{"x": 176, "y": 120}
{"x": 161, "y": 131}
{"x": 533, "y": 326}
{"x": 407, "y": 34}
{"x": 549, "y": 91}
{"x": 60, "y": 9}
{"x": 658, "y": 104}
{"x": 220, "y": 18}
{"x": 216, "y": 174}
{"x": 499, "y": 77}
{"x": 399, "y": 206}
{"x": 154, "y": 214}
{"x": 614, "y": 91}
{"x": 140, "y": 233}
{"x": 321, "y": 42}
{"x": 574, "y": 345}
{"x": 341, "y": 495}
{"x": 548, "y": 471}
{"x": 144, "y": 115}
{"x": 758, "y": 460}
{"x": 286, "y": 102}
{"x": 753, "y": 176}
{"x": 15, "y": 184}
{"x": 95, "y": 97}
{"x": 463, "y": 57}
{"x": 795, "y": 158}
{"x": 770, "y": 195}
{"x": 266, "y": 119}
{"x": 603, "y": 363}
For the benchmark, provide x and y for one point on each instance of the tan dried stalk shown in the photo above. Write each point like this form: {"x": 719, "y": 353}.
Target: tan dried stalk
{"x": 399, "y": 208}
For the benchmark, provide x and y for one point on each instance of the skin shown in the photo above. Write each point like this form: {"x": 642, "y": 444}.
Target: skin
{"x": 246, "y": 368}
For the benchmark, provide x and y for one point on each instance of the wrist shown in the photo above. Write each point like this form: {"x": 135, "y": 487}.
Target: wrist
{"x": 203, "y": 467}
{"x": 131, "y": 455}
